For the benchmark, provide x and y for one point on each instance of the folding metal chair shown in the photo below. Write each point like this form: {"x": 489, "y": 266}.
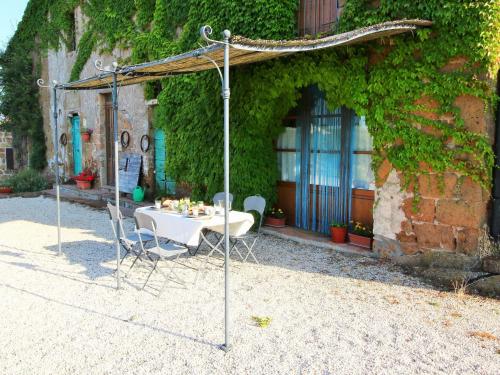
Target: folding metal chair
{"x": 248, "y": 240}
{"x": 155, "y": 254}
{"x": 127, "y": 241}
{"x": 217, "y": 197}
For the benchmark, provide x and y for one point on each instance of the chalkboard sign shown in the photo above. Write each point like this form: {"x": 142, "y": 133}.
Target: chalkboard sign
{"x": 129, "y": 170}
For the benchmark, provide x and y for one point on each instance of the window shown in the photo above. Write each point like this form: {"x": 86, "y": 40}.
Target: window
{"x": 318, "y": 16}
{"x": 9, "y": 156}
{"x": 286, "y": 149}
{"x": 362, "y": 174}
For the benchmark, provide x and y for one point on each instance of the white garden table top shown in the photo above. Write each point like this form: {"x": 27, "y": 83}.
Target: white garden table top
{"x": 186, "y": 230}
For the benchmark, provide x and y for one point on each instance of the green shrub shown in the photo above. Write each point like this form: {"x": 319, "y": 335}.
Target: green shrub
{"x": 27, "y": 180}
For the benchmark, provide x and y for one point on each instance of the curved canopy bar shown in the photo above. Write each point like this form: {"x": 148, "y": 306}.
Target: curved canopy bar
{"x": 242, "y": 51}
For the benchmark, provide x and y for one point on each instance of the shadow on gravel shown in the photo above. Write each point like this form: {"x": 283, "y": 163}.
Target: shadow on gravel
{"x": 105, "y": 315}
{"x": 269, "y": 250}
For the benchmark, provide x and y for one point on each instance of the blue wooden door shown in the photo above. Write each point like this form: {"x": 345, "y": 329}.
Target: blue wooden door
{"x": 77, "y": 144}
{"x": 163, "y": 182}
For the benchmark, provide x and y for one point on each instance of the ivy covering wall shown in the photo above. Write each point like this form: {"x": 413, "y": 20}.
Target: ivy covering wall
{"x": 385, "y": 90}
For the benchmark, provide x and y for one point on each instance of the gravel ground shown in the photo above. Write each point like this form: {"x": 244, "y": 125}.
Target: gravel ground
{"x": 331, "y": 314}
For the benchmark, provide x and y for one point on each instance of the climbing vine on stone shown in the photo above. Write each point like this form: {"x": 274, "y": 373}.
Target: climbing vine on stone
{"x": 401, "y": 85}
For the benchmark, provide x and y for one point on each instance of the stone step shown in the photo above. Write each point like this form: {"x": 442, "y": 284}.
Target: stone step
{"x": 72, "y": 190}
{"x": 491, "y": 264}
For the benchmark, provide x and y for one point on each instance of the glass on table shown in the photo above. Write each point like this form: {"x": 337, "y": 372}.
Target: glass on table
{"x": 222, "y": 205}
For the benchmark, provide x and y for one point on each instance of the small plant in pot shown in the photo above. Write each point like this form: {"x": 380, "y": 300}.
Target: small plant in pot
{"x": 361, "y": 235}
{"x": 5, "y": 188}
{"x": 275, "y": 218}
{"x": 338, "y": 232}
{"x": 86, "y": 133}
{"x": 85, "y": 179}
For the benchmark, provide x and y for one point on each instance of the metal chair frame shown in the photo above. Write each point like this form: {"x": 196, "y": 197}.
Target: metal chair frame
{"x": 248, "y": 240}
{"x": 155, "y": 254}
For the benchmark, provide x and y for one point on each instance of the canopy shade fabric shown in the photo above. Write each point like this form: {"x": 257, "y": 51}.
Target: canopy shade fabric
{"x": 242, "y": 51}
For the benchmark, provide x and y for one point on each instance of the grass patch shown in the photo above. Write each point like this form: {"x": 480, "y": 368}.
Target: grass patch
{"x": 262, "y": 321}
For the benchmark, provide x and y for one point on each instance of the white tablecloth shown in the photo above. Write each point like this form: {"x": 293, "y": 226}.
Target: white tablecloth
{"x": 187, "y": 230}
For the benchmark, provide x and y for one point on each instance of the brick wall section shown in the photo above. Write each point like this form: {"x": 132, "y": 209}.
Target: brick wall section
{"x": 452, "y": 210}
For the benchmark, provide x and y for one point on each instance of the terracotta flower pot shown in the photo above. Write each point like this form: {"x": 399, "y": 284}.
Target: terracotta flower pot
{"x": 83, "y": 185}
{"x": 86, "y": 137}
{"x": 338, "y": 234}
{"x": 274, "y": 222}
{"x": 5, "y": 190}
{"x": 361, "y": 241}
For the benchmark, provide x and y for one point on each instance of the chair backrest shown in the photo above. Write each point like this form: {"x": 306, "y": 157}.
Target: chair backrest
{"x": 220, "y": 197}
{"x": 113, "y": 218}
{"x": 112, "y": 212}
{"x": 255, "y": 203}
{"x": 143, "y": 221}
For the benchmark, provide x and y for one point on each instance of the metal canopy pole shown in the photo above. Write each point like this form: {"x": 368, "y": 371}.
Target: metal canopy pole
{"x": 56, "y": 149}
{"x": 225, "y": 94}
{"x": 205, "y": 31}
{"x": 41, "y": 83}
{"x": 117, "y": 181}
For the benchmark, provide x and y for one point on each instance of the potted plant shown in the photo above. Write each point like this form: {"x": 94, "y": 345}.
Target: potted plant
{"x": 87, "y": 176}
{"x": 361, "y": 235}
{"x": 338, "y": 231}
{"x": 86, "y": 133}
{"x": 5, "y": 188}
{"x": 275, "y": 218}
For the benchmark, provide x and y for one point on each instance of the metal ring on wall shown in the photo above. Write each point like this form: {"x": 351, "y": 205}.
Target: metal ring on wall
{"x": 63, "y": 139}
{"x": 145, "y": 143}
{"x": 125, "y": 139}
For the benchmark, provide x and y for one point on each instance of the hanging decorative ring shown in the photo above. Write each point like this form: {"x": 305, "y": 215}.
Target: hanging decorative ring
{"x": 145, "y": 143}
{"x": 63, "y": 139}
{"x": 125, "y": 139}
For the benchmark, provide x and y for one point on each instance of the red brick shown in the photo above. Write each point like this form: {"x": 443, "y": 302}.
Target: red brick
{"x": 408, "y": 238}
{"x": 435, "y": 236}
{"x": 471, "y": 191}
{"x": 472, "y": 112}
{"x": 426, "y": 209}
{"x": 406, "y": 227}
{"x": 430, "y": 186}
{"x": 467, "y": 240}
{"x": 454, "y": 63}
{"x": 409, "y": 248}
{"x": 383, "y": 172}
{"x": 460, "y": 213}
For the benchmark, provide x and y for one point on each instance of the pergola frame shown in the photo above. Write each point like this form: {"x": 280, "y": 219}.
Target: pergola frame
{"x": 247, "y": 51}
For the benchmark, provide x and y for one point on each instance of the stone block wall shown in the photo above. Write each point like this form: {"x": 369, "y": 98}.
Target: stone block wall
{"x": 452, "y": 210}
{"x": 5, "y": 142}
{"x": 90, "y": 107}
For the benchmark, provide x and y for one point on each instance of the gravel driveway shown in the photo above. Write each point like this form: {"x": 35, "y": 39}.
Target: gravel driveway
{"x": 331, "y": 314}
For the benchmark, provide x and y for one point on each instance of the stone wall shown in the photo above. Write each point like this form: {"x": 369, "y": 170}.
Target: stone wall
{"x": 452, "y": 211}
{"x": 90, "y": 107}
{"x": 5, "y": 142}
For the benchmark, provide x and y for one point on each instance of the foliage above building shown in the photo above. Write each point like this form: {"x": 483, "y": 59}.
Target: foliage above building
{"x": 386, "y": 90}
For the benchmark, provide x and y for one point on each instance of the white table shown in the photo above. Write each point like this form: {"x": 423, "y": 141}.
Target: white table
{"x": 187, "y": 231}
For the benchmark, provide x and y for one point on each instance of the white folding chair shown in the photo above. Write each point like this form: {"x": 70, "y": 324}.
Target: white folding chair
{"x": 155, "y": 254}
{"x": 127, "y": 241}
{"x": 248, "y": 240}
{"x": 220, "y": 197}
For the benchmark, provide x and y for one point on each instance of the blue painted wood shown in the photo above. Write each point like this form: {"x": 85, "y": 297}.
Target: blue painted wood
{"x": 129, "y": 169}
{"x": 163, "y": 182}
{"x": 77, "y": 145}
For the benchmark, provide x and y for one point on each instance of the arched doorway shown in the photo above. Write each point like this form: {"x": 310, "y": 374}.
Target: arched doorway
{"x": 324, "y": 159}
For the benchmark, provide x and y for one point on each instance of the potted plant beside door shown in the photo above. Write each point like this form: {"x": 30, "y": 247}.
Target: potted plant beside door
{"x": 86, "y": 133}
{"x": 338, "y": 231}
{"x": 275, "y": 218}
{"x": 85, "y": 179}
{"x": 361, "y": 235}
